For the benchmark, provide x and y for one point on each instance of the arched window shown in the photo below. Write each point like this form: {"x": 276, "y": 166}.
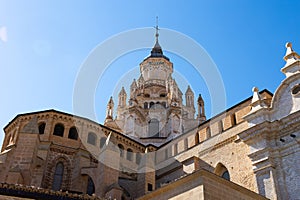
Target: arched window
{"x": 58, "y": 176}
{"x": 129, "y": 154}
{"x": 59, "y": 130}
{"x": 222, "y": 171}
{"x": 196, "y": 138}
{"x": 102, "y": 142}
{"x": 42, "y": 128}
{"x": 153, "y": 129}
{"x": 145, "y": 105}
{"x": 90, "y": 187}
{"x": 151, "y": 104}
{"x": 92, "y": 138}
{"x": 73, "y": 134}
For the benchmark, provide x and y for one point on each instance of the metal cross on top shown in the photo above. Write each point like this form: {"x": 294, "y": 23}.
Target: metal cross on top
{"x": 156, "y": 27}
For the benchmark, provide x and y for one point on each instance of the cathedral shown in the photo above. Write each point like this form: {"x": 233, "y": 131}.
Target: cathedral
{"x": 158, "y": 146}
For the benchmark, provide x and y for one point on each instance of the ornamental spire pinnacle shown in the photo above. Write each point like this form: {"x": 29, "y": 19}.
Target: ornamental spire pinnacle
{"x": 156, "y": 50}
{"x": 157, "y": 29}
{"x": 292, "y": 61}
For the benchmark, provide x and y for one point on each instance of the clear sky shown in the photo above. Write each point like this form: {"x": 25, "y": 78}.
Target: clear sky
{"x": 43, "y": 45}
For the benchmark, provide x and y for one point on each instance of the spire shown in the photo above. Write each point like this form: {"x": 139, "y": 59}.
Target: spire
{"x": 122, "y": 98}
{"x": 122, "y": 91}
{"x": 200, "y": 100}
{"x": 111, "y": 101}
{"x": 157, "y": 50}
{"x": 189, "y": 90}
{"x": 133, "y": 84}
{"x": 189, "y": 97}
{"x": 201, "y": 110}
{"x": 109, "y": 110}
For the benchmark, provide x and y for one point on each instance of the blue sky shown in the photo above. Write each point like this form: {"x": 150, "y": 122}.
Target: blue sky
{"x": 48, "y": 41}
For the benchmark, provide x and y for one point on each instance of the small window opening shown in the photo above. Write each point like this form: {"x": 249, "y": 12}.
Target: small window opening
{"x": 59, "y": 130}
{"x": 42, "y": 128}
{"x": 150, "y": 187}
{"x": 73, "y": 134}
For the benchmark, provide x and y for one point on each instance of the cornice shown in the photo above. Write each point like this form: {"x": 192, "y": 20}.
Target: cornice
{"x": 255, "y": 131}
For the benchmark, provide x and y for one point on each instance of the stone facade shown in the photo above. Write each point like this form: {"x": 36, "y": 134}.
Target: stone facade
{"x": 202, "y": 185}
{"x": 249, "y": 151}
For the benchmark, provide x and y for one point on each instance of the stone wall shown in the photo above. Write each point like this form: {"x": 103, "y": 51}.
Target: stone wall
{"x": 202, "y": 185}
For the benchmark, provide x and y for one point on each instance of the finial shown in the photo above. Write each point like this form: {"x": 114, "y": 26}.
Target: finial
{"x": 200, "y": 98}
{"x": 290, "y": 53}
{"x": 111, "y": 100}
{"x": 156, "y": 50}
{"x": 256, "y": 96}
{"x": 257, "y": 101}
{"x": 255, "y": 89}
{"x": 291, "y": 57}
{"x": 156, "y": 27}
{"x": 289, "y": 50}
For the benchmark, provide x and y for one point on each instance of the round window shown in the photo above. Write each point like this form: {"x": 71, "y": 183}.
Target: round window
{"x": 296, "y": 89}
